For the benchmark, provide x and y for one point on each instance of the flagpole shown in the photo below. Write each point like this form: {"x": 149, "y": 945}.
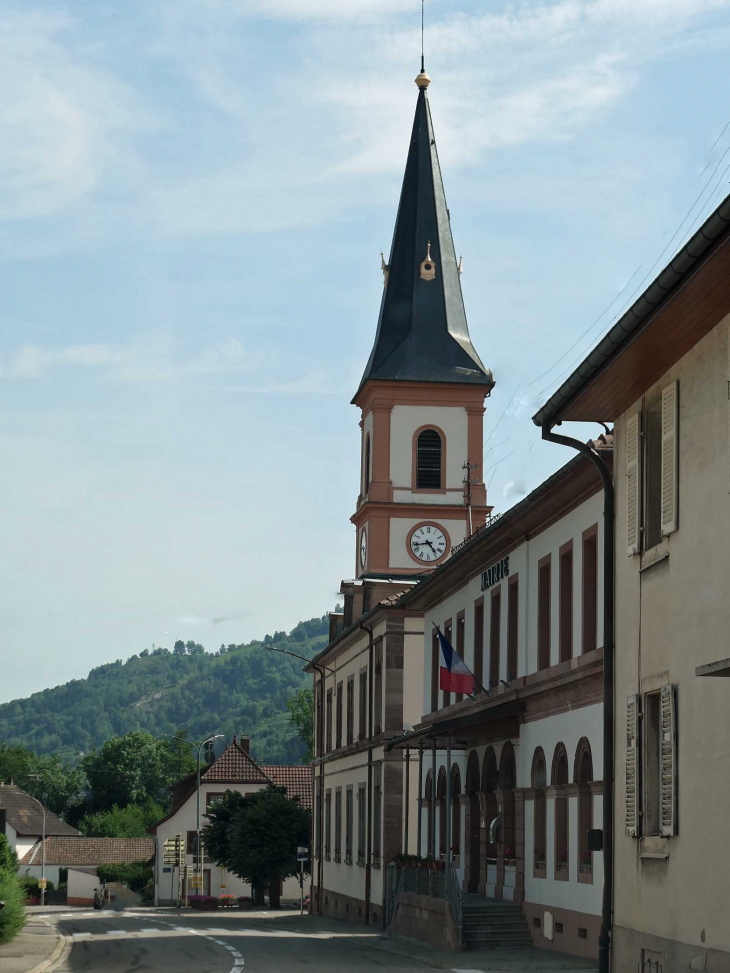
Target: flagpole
{"x": 486, "y": 692}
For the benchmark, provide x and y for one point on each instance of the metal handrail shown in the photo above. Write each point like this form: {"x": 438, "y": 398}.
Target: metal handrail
{"x": 442, "y": 883}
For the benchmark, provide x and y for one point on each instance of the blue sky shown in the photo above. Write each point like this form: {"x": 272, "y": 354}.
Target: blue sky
{"x": 193, "y": 199}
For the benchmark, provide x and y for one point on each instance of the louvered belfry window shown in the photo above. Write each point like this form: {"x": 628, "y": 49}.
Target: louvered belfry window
{"x": 428, "y": 460}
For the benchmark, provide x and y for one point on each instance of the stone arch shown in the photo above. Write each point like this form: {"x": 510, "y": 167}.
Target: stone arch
{"x": 559, "y": 771}
{"x": 473, "y": 816}
{"x": 507, "y": 768}
{"x": 583, "y": 764}
{"x": 582, "y": 776}
{"x": 428, "y": 797}
{"x": 490, "y": 783}
{"x": 441, "y": 797}
{"x": 559, "y": 778}
{"x": 538, "y": 781}
{"x": 455, "y": 810}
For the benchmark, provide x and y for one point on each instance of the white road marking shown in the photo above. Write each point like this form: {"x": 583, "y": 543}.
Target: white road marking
{"x": 116, "y": 932}
{"x": 151, "y": 929}
{"x": 81, "y": 935}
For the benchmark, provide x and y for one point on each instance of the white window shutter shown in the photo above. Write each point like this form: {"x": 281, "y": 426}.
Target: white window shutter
{"x": 633, "y": 766}
{"x": 633, "y": 483}
{"x": 670, "y": 416}
{"x": 668, "y": 762}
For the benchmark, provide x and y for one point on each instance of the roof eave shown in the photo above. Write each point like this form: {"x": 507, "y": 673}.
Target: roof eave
{"x": 687, "y": 260}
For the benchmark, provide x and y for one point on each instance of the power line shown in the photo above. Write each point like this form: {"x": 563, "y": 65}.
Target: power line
{"x": 504, "y": 411}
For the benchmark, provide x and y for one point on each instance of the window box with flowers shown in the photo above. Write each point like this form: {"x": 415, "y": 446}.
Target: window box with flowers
{"x": 586, "y": 863}
{"x": 561, "y": 866}
{"x": 509, "y": 856}
{"x": 376, "y": 861}
{"x": 227, "y": 901}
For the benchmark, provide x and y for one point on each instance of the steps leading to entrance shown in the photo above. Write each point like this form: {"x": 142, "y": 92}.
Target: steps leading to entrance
{"x": 491, "y": 923}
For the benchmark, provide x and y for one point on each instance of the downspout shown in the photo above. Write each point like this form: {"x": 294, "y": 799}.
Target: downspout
{"x": 369, "y": 826}
{"x": 319, "y": 730}
{"x": 604, "y": 938}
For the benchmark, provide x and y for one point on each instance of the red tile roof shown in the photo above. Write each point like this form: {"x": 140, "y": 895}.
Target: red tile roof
{"x": 296, "y": 779}
{"x": 90, "y": 851}
{"x": 235, "y": 766}
{"x": 23, "y": 812}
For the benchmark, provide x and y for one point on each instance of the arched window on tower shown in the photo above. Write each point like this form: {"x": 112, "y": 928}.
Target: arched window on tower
{"x": 429, "y": 450}
{"x": 366, "y": 468}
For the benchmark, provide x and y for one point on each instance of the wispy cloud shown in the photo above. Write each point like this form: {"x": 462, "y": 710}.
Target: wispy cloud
{"x": 157, "y": 360}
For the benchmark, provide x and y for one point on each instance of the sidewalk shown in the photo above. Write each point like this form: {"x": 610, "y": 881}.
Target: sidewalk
{"x": 33, "y": 949}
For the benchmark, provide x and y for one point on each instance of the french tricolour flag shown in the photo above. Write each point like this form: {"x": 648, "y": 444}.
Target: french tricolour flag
{"x": 455, "y": 675}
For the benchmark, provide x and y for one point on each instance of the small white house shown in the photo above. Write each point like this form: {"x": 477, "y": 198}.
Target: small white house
{"x": 79, "y": 851}
{"x": 235, "y": 770}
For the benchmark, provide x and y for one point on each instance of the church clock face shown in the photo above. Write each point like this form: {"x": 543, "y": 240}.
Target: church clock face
{"x": 428, "y": 543}
{"x": 363, "y": 548}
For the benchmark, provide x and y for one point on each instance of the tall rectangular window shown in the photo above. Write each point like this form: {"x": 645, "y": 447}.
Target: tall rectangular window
{"x": 447, "y": 635}
{"x": 434, "y": 671}
{"x": 361, "y": 819}
{"x": 338, "y": 824}
{"x": 590, "y": 589}
{"x": 513, "y": 625}
{"x": 338, "y": 724}
{"x": 328, "y": 824}
{"x": 459, "y": 645}
{"x": 378, "y": 694}
{"x": 479, "y": 640}
{"x": 566, "y": 602}
{"x": 363, "y": 705}
{"x": 348, "y": 825}
{"x": 328, "y": 721}
{"x": 377, "y": 810}
{"x": 350, "y": 709}
{"x": 543, "y": 613}
{"x": 319, "y": 720}
{"x": 495, "y": 630}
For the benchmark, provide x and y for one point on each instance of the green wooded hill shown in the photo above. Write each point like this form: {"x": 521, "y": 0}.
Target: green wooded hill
{"x": 237, "y": 689}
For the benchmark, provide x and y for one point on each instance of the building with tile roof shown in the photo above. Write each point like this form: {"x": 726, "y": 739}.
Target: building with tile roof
{"x": 65, "y": 850}
{"x": 234, "y": 770}
{"x": 21, "y": 819}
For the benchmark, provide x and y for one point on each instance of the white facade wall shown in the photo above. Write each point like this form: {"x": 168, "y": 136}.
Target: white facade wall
{"x": 404, "y": 421}
{"x": 523, "y": 563}
{"x": 81, "y": 885}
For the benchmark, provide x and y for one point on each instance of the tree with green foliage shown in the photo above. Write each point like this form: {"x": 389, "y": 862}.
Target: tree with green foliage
{"x": 301, "y": 714}
{"x": 46, "y": 778}
{"x": 12, "y": 915}
{"x": 244, "y": 689}
{"x": 137, "y": 876}
{"x": 255, "y": 836}
{"x": 134, "y": 769}
{"x": 121, "y": 822}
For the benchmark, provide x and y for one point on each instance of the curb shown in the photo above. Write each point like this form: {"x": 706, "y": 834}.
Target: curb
{"x": 61, "y": 944}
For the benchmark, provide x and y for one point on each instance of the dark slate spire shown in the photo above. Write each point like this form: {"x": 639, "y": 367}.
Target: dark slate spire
{"x": 422, "y": 332}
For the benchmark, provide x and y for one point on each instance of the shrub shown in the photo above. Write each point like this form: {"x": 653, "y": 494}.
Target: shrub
{"x": 29, "y": 883}
{"x": 135, "y": 875}
{"x": 12, "y": 917}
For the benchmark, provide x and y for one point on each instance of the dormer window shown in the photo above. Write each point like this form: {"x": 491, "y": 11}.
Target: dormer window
{"x": 428, "y": 460}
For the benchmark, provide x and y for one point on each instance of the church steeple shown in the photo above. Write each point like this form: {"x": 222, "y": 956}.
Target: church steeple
{"x": 422, "y": 333}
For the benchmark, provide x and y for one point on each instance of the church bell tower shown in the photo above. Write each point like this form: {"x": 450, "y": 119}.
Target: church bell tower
{"x": 423, "y": 390}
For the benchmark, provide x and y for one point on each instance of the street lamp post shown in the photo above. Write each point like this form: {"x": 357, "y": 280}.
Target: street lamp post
{"x": 197, "y": 747}
{"x": 43, "y": 841}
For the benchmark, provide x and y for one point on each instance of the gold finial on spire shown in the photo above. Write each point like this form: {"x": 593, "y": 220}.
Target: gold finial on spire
{"x": 423, "y": 80}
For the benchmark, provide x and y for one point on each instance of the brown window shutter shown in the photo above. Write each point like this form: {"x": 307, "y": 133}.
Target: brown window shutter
{"x": 669, "y": 762}
{"x": 633, "y": 483}
{"x": 633, "y": 766}
{"x": 670, "y": 417}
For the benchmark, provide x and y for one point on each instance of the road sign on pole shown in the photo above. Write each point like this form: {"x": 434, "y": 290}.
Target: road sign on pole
{"x": 302, "y": 853}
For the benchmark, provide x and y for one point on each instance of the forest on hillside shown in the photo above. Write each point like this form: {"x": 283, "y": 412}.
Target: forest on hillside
{"x": 236, "y": 689}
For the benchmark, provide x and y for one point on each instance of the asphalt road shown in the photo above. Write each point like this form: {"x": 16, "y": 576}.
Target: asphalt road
{"x": 145, "y": 940}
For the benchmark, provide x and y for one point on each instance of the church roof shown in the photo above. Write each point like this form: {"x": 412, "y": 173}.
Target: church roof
{"x": 422, "y": 332}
